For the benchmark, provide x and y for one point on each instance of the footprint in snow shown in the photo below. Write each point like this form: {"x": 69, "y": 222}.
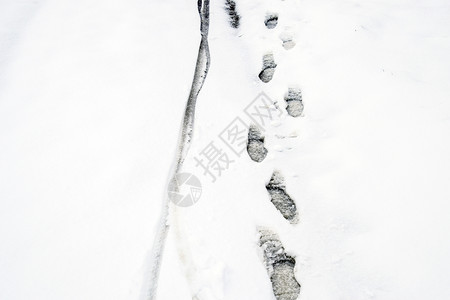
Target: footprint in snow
{"x": 255, "y": 144}
{"x": 268, "y": 68}
{"x": 281, "y": 199}
{"x": 271, "y": 21}
{"x": 288, "y": 40}
{"x": 234, "y": 17}
{"x": 294, "y": 102}
{"x": 280, "y": 266}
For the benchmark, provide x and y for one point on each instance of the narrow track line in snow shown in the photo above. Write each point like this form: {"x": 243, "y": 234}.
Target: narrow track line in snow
{"x": 201, "y": 71}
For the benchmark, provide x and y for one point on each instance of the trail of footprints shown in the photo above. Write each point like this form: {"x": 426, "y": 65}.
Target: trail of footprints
{"x": 280, "y": 266}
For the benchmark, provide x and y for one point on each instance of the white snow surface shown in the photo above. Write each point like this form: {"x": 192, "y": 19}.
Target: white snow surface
{"x": 92, "y": 95}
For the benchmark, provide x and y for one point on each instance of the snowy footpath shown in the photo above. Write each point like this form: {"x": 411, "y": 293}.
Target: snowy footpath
{"x": 320, "y": 142}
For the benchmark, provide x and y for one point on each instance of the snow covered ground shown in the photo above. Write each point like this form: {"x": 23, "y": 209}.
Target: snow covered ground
{"x": 92, "y": 95}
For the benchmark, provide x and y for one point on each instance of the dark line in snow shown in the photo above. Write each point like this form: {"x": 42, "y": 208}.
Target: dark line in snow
{"x": 201, "y": 71}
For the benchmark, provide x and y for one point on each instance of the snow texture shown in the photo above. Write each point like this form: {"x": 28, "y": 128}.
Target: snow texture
{"x": 91, "y": 98}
